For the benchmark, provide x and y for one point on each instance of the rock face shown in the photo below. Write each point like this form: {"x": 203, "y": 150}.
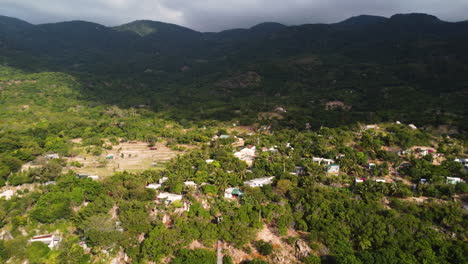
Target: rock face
{"x": 302, "y": 249}
{"x": 121, "y": 258}
{"x": 5, "y": 235}
{"x": 280, "y": 257}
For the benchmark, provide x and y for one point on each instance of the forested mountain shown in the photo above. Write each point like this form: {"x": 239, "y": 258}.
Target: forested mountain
{"x": 408, "y": 67}
{"x": 393, "y": 61}
{"x": 149, "y": 142}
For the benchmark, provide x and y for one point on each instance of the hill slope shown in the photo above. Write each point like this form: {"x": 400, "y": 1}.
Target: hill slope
{"x": 408, "y": 67}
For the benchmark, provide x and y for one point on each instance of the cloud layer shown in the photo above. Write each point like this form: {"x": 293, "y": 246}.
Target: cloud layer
{"x": 215, "y": 15}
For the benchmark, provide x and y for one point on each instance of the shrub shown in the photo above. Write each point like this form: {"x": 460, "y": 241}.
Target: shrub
{"x": 263, "y": 247}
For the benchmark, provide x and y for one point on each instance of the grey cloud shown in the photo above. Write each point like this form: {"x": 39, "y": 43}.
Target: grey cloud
{"x": 215, "y": 15}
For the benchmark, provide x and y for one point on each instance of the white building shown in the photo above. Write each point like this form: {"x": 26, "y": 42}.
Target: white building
{"x": 153, "y": 186}
{"x": 333, "y": 169}
{"x": 232, "y": 192}
{"x": 454, "y": 180}
{"x": 52, "y": 156}
{"x": 94, "y": 177}
{"x": 190, "y": 184}
{"x": 371, "y": 127}
{"x": 163, "y": 180}
{"x": 169, "y": 197}
{"x": 423, "y": 151}
{"x": 323, "y": 160}
{"x": 51, "y": 241}
{"x": 246, "y": 154}
{"x": 412, "y": 126}
{"x": 259, "y": 182}
{"x": 380, "y": 180}
{"x": 208, "y": 161}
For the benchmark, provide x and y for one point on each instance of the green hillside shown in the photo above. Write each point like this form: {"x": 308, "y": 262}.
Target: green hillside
{"x": 153, "y": 143}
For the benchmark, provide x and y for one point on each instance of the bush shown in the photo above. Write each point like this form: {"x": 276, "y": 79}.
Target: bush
{"x": 75, "y": 164}
{"x": 209, "y": 189}
{"x": 19, "y": 178}
{"x": 256, "y": 261}
{"x": 311, "y": 260}
{"x": 197, "y": 256}
{"x": 461, "y": 188}
{"x": 227, "y": 259}
{"x": 37, "y": 252}
{"x": 263, "y": 247}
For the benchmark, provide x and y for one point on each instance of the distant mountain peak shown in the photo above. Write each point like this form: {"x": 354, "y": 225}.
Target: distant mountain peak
{"x": 148, "y": 27}
{"x": 10, "y": 24}
{"x": 363, "y": 20}
{"x": 415, "y": 18}
{"x": 268, "y": 25}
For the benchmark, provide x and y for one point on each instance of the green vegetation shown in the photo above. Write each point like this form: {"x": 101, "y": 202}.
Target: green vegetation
{"x": 66, "y": 101}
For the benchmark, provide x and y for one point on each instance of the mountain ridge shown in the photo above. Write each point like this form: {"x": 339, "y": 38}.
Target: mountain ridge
{"x": 354, "y": 20}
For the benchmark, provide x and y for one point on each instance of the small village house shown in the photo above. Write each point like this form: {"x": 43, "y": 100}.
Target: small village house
{"x": 454, "y": 180}
{"x": 360, "y": 180}
{"x": 190, "y": 184}
{"x": 323, "y": 161}
{"x": 230, "y": 193}
{"x": 94, "y": 177}
{"x": 333, "y": 169}
{"x": 52, "y": 241}
{"x": 163, "y": 180}
{"x": 52, "y": 156}
{"x": 246, "y": 154}
{"x": 367, "y": 127}
{"x": 259, "y": 182}
{"x": 169, "y": 197}
{"x": 153, "y": 186}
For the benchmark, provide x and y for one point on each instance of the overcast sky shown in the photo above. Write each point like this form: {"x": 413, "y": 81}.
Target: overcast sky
{"x": 216, "y": 15}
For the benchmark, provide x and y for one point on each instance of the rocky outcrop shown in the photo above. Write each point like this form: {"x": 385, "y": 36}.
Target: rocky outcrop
{"x": 302, "y": 249}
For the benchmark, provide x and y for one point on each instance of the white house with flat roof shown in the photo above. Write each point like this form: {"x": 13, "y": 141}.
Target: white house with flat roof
{"x": 323, "y": 160}
{"x": 190, "y": 184}
{"x": 94, "y": 177}
{"x": 169, "y": 197}
{"x": 259, "y": 182}
{"x": 163, "y": 180}
{"x": 52, "y": 241}
{"x": 333, "y": 169}
{"x": 153, "y": 186}
{"x": 52, "y": 156}
{"x": 454, "y": 180}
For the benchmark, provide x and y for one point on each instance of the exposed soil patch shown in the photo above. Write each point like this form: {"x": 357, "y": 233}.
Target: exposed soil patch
{"x": 131, "y": 157}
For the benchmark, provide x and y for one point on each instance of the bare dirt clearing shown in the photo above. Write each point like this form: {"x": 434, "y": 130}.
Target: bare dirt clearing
{"x": 131, "y": 157}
